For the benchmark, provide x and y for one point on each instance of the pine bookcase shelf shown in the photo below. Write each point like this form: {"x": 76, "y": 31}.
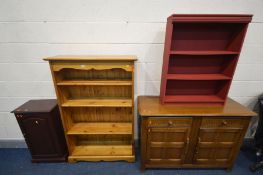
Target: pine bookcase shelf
{"x": 200, "y": 56}
{"x": 103, "y": 150}
{"x": 96, "y": 101}
{"x": 100, "y": 128}
{"x": 94, "y": 82}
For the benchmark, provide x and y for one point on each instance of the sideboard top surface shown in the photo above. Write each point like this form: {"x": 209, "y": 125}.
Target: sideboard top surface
{"x": 151, "y": 106}
{"x": 92, "y": 58}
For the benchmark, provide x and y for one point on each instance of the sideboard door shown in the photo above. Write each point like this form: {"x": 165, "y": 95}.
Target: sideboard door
{"x": 219, "y": 141}
{"x": 167, "y": 146}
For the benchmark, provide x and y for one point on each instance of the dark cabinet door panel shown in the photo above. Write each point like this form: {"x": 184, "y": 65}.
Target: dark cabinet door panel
{"x": 38, "y": 136}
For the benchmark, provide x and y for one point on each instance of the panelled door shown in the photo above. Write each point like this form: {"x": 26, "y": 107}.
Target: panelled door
{"x": 38, "y": 135}
{"x": 168, "y": 140}
{"x": 218, "y": 140}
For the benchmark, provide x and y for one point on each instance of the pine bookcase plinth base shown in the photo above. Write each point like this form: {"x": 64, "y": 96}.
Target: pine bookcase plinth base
{"x": 73, "y": 159}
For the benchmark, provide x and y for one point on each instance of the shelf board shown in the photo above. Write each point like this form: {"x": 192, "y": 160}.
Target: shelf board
{"x": 102, "y": 150}
{"x": 197, "y": 77}
{"x": 193, "y": 98}
{"x": 100, "y": 128}
{"x": 98, "y": 103}
{"x": 204, "y": 52}
{"x": 94, "y": 82}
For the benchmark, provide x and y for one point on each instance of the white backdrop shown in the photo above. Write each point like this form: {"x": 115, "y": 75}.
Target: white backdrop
{"x": 33, "y": 29}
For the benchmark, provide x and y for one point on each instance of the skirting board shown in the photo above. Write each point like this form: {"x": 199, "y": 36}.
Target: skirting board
{"x": 12, "y": 143}
{"x": 20, "y": 143}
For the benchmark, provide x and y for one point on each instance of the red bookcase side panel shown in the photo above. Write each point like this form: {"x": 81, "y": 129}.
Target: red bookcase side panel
{"x": 167, "y": 48}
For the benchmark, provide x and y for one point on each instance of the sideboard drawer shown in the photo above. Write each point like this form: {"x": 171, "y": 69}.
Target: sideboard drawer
{"x": 169, "y": 122}
{"x": 223, "y": 123}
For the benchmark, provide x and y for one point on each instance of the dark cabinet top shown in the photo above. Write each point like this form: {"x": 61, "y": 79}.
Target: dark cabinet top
{"x": 36, "y": 106}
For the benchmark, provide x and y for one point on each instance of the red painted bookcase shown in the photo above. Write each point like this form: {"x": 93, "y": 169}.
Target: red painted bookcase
{"x": 200, "y": 56}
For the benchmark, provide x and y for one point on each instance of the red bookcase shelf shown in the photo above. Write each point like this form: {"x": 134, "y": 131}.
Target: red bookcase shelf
{"x": 204, "y": 52}
{"x": 200, "y": 57}
{"x": 197, "y": 77}
{"x": 193, "y": 98}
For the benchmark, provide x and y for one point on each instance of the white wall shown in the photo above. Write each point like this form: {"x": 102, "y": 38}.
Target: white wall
{"x": 33, "y": 29}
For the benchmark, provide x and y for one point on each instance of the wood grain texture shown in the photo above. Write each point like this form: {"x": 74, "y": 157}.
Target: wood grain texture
{"x": 100, "y": 114}
{"x": 96, "y": 92}
{"x": 73, "y": 159}
{"x": 150, "y": 106}
{"x": 94, "y": 82}
{"x": 193, "y": 136}
{"x": 100, "y": 128}
{"x": 90, "y": 66}
{"x": 103, "y": 150}
{"x": 95, "y": 95}
{"x": 98, "y": 103}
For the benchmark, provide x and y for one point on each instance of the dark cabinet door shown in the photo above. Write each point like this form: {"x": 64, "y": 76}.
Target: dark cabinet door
{"x": 38, "y": 135}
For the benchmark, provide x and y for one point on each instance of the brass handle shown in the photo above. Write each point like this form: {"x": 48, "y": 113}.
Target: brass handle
{"x": 196, "y": 150}
{"x": 149, "y": 130}
{"x": 170, "y": 123}
{"x": 187, "y": 145}
{"x": 36, "y": 122}
{"x": 150, "y": 123}
{"x": 224, "y": 122}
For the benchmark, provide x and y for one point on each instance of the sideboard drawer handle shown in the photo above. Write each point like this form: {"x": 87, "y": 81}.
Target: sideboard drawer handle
{"x": 36, "y": 122}
{"x": 150, "y": 123}
{"x": 224, "y": 122}
{"x": 170, "y": 123}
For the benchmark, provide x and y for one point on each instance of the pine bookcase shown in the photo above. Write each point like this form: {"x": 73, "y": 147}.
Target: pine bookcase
{"x": 96, "y": 101}
{"x": 200, "y": 57}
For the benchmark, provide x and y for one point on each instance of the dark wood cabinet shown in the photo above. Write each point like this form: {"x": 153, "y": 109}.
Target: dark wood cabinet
{"x": 40, "y": 124}
{"x": 196, "y": 136}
